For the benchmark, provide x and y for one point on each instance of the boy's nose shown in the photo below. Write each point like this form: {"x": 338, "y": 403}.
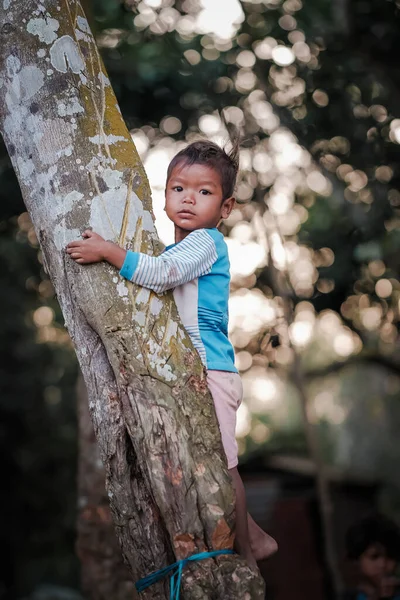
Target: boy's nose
{"x": 189, "y": 199}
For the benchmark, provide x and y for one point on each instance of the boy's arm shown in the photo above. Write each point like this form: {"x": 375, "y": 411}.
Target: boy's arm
{"x": 115, "y": 255}
{"x": 191, "y": 258}
{"x": 93, "y": 248}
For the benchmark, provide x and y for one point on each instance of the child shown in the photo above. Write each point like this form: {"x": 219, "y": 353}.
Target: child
{"x": 374, "y": 545}
{"x": 199, "y": 193}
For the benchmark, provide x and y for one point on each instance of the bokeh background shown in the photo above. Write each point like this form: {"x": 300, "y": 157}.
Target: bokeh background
{"x": 313, "y": 88}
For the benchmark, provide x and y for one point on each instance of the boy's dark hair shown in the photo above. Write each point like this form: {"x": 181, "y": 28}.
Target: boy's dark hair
{"x": 374, "y": 529}
{"x": 207, "y": 153}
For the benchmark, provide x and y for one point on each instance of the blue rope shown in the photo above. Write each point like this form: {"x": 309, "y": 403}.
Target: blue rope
{"x": 175, "y": 572}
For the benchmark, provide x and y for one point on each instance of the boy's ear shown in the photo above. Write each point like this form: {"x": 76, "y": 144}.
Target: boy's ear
{"x": 227, "y": 207}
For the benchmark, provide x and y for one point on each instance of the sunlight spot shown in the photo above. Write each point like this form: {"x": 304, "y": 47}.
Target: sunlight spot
{"x": 171, "y": 125}
{"x": 43, "y": 316}
{"x": 383, "y": 288}
{"x": 371, "y": 317}
{"x": 264, "y": 48}
{"x": 262, "y": 162}
{"x": 140, "y": 140}
{"x": 260, "y": 433}
{"x": 377, "y": 268}
{"x": 210, "y": 124}
{"x": 250, "y": 311}
{"x": 301, "y": 332}
{"x": 243, "y": 421}
{"x": 343, "y": 343}
{"x": 245, "y": 80}
{"x": 327, "y": 407}
{"x": 278, "y": 252}
{"x": 279, "y": 204}
{"x": 245, "y": 258}
{"x": 320, "y": 98}
{"x": 246, "y": 58}
{"x": 243, "y": 360}
{"x": 319, "y": 184}
{"x": 242, "y": 232}
{"x": 282, "y": 56}
{"x": 395, "y": 131}
{"x": 221, "y": 18}
{"x": 192, "y": 56}
{"x": 261, "y": 389}
{"x": 302, "y": 51}
{"x": 329, "y": 322}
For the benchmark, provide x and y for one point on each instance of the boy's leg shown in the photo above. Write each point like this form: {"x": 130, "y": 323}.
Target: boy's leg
{"x": 226, "y": 390}
{"x": 242, "y": 532}
{"x": 250, "y": 538}
{"x": 262, "y": 545}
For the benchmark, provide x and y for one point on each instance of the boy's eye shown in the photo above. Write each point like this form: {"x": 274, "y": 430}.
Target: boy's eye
{"x": 177, "y": 188}
{"x": 205, "y": 192}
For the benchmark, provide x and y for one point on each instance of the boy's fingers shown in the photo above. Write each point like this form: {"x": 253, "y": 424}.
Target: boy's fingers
{"x": 87, "y": 233}
{"x": 75, "y": 244}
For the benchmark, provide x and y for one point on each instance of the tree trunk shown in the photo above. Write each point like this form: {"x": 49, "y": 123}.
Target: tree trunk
{"x": 167, "y": 481}
{"x": 103, "y": 572}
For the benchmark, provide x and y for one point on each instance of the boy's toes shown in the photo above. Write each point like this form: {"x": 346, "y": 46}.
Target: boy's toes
{"x": 266, "y": 548}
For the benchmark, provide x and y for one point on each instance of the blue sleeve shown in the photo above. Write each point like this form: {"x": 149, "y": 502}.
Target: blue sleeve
{"x": 191, "y": 258}
{"x": 130, "y": 264}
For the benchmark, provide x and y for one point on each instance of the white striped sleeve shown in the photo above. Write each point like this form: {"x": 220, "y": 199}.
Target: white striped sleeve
{"x": 191, "y": 258}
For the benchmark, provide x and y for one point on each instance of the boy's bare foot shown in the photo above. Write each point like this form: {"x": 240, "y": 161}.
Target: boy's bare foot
{"x": 266, "y": 548}
{"x": 262, "y": 545}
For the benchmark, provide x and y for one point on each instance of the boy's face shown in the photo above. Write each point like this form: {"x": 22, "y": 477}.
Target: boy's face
{"x": 193, "y": 199}
{"x": 375, "y": 564}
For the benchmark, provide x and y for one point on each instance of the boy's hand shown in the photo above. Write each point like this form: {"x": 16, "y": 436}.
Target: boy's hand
{"x": 91, "y": 249}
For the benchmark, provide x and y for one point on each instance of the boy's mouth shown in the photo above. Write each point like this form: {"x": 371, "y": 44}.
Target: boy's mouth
{"x": 186, "y": 212}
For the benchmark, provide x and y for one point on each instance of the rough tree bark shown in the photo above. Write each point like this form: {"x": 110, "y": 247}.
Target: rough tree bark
{"x": 169, "y": 489}
{"x": 104, "y": 574}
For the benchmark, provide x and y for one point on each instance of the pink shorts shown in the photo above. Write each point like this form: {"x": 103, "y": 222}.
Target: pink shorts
{"x": 227, "y": 392}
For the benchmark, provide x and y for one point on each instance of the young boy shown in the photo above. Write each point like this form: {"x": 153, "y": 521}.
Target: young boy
{"x": 199, "y": 193}
{"x": 373, "y": 544}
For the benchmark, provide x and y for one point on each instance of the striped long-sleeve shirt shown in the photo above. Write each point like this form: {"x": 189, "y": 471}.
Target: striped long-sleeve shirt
{"x": 197, "y": 269}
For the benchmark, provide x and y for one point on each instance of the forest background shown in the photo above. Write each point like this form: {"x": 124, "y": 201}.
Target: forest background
{"x": 314, "y": 91}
